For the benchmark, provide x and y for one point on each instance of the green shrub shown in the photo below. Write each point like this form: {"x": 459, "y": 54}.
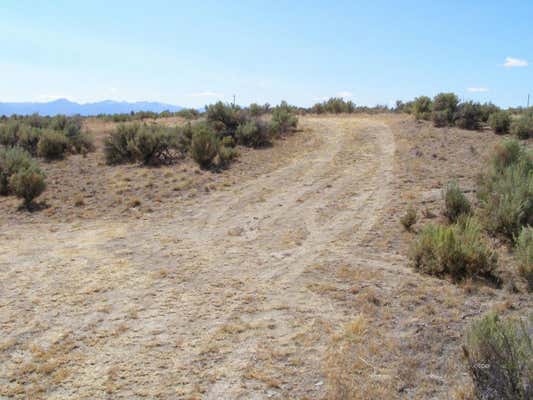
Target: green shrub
{"x": 12, "y": 160}
{"x": 409, "y": 218}
{"x": 524, "y": 254}
{"x": 445, "y": 106}
{"x": 487, "y": 109}
{"x": 422, "y": 107}
{"x": 117, "y": 147}
{"x": 27, "y": 183}
{"x": 500, "y": 358}
{"x": 283, "y": 119}
{"x": 253, "y": 134}
{"x": 455, "y": 202}
{"x": 205, "y": 146}
{"x": 225, "y": 155}
{"x": 522, "y": 127}
{"x": 228, "y": 141}
{"x": 52, "y": 145}
{"x": 500, "y": 122}
{"x": 224, "y": 118}
{"x": 507, "y": 153}
{"x": 458, "y": 251}
{"x": 439, "y": 119}
{"x": 28, "y": 139}
{"x": 468, "y": 116}
{"x": 152, "y": 145}
{"x": 9, "y": 134}
{"x": 506, "y": 193}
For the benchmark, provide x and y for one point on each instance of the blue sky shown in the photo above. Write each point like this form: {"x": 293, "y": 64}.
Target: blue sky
{"x": 196, "y": 52}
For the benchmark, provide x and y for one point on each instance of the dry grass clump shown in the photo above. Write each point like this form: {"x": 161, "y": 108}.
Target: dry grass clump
{"x": 355, "y": 367}
{"x": 409, "y": 218}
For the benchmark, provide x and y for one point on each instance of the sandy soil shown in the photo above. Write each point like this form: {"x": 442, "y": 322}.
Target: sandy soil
{"x": 253, "y": 291}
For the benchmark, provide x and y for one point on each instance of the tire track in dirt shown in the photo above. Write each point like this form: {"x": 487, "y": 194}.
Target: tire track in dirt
{"x": 209, "y": 302}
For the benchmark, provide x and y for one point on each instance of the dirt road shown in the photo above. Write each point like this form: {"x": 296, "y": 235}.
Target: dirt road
{"x": 212, "y": 301}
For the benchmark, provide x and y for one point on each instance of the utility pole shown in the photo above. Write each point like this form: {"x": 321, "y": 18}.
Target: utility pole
{"x": 528, "y": 100}
{"x": 234, "y": 100}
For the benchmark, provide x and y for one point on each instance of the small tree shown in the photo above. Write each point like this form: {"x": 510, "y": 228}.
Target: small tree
{"x": 422, "y": 107}
{"x": 447, "y": 104}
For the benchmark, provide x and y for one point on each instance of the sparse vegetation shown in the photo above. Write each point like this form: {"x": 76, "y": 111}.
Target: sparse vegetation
{"x": 253, "y": 133}
{"x": 506, "y": 192}
{"x": 283, "y": 119}
{"x": 499, "y": 354}
{"x": 455, "y": 202}
{"x": 52, "y": 145}
{"x": 27, "y": 183}
{"x": 409, "y": 218}
{"x": 422, "y": 108}
{"x": 500, "y": 122}
{"x": 458, "y": 251}
{"x": 445, "y": 106}
{"x": 524, "y": 255}
{"x": 20, "y": 175}
{"x": 522, "y": 127}
{"x": 205, "y": 146}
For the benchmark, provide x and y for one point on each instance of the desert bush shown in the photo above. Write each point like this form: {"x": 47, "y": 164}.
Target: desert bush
{"x": 117, "y": 148}
{"x": 506, "y": 193}
{"x": 82, "y": 143}
{"x": 439, "y": 118}
{"x": 283, "y": 119}
{"x": 487, "y": 109}
{"x": 205, "y": 146}
{"x": 28, "y": 139}
{"x": 522, "y": 127}
{"x": 12, "y": 161}
{"x": 9, "y": 134}
{"x": 499, "y": 354}
{"x": 27, "y": 183}
{"x": 153, "y": 145}
{"x": 500, "y": 122}
{"x": 225, "y": 155}
{"x": 184, "y": 138}
{"x": 228, "y": 141}
{"x": 445, "y": 106}
{"x": 507, "y": 153}
{"x": 409, "y": 218}
{"x": 468, "y": 116}
{"x": 458, "y": 251}
{"x": 524, "y": 254}
{"x": 334, "y": 105}
{"x": 52, "y": 145}
{"x": 455, "y": 202}
{"x": 224, "y": 118}
{"x": 253, "y": 133}
{"x": 422, "y": 108}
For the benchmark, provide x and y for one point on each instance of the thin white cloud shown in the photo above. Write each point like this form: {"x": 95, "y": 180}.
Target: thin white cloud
{"x": 207, "y": 94}
{"x": 511, "y": 62}
{"x": 477, "y": 89}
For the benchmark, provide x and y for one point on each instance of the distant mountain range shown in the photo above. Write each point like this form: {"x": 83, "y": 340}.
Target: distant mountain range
{"x": 67, "y": 107}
